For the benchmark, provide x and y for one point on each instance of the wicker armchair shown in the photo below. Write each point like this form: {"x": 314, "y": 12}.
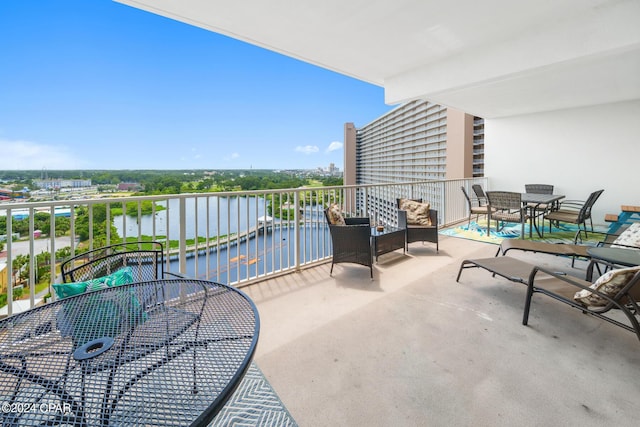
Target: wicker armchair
{"x": 538, "y": 188}
{"x": 351, "y": 242}
{"x": 419, "y": 233}
{"x": 506, "y": 206}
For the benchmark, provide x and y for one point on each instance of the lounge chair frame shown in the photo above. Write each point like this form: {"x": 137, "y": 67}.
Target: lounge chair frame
{"x": 562, "y": 287}
{"x": 558, "y": 249}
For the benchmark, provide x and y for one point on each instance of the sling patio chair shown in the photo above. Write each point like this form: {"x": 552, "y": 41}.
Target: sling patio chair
{"x": 474, "y": 206}
{"x": 572, "y": 212}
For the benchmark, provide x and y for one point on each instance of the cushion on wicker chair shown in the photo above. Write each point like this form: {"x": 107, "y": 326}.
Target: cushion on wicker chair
{"x": 335, "y": 215}
{"x": 417, "y": 213}
{"x": 609, "y": 284}
{"x": 629, "y": 237}
{"x": 506, "y": 216}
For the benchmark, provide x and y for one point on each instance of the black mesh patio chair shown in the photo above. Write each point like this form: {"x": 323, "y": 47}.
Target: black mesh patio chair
{"x": 473, "y": 204}
{"x": 146, "y": 260}
{"x": 351, "y": 242}
{"x": 506, "y": 206}
{"x": 572, "y": 212}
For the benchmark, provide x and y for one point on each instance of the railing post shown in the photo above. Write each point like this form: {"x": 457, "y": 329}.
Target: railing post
{"x": 296, "y": 230}
{"x": 10, "y": 263}
{"x": 33, "y": 264}
{"x": 444, "y": 218}
{"x": 52, "y": 240}
{"x": 183, "y": 237}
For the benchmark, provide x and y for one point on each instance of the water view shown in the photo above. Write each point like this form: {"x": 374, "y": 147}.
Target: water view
{"x": 270, "y": 250}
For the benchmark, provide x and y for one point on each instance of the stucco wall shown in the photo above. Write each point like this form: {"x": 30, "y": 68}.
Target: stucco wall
{"x": 578, "y": 150}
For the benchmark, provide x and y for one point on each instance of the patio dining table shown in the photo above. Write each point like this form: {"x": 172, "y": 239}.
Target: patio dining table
{"x": 161, "y": 353}
{"x": 534, "y": 201}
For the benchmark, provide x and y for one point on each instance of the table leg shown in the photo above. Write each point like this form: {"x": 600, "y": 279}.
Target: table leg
{"x": 533, "y": 221}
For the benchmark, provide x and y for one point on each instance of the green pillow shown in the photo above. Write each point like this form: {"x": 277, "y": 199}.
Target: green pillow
{"x": 65, "y": 290}
{"x": 99, "y": 316}
{"x": 123, "y": 276}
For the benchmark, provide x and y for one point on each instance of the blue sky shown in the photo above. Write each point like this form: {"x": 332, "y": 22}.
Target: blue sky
{"x": 93, "y": 84}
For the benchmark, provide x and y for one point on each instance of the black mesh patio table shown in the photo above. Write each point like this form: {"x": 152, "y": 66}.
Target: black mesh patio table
{"x": 167, "y": 352}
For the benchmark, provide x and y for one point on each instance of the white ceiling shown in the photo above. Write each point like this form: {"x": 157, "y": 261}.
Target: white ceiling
{"x": 491, "y": 58}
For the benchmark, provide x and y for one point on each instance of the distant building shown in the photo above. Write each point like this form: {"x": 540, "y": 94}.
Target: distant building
{"x": 416, "y": 141}
{"x": 129, "y": 186}
{"x": 7, "y": 194}
{"x": 54, "y": 184}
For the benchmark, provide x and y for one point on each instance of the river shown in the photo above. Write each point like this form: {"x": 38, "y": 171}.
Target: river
{"x": 263, "y": 254}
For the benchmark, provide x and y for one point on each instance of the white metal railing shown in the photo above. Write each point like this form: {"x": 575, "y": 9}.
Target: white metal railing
{"x": 229, "y": 237}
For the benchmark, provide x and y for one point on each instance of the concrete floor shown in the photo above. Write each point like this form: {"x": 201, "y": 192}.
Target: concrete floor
{"x": 415, "y": 348}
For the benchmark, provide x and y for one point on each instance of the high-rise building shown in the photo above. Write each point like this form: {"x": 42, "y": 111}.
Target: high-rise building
{"x": 418, "y": 140}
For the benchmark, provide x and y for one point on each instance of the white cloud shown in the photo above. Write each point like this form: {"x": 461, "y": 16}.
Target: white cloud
{"x": 232, "y": 156}
{"x": 31, "y": 155}
{"x": 335, "y": 145}
{"x": 307, "y": 149}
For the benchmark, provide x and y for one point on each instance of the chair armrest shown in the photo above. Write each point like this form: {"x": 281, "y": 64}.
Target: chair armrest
{"x": 573, "y": 281}
{"x": 434, "y": 217}
{"x": 354, "y": 229}
{"x": 571, "y": 205}
{"x": 475, "y": 201}
{"x": 402, "y": 218}
{"x": 558, "y": 275}
{"x": 357, "y": 221}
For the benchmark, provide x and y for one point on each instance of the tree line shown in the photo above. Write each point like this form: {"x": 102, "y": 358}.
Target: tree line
{"x": 179, "y": 181}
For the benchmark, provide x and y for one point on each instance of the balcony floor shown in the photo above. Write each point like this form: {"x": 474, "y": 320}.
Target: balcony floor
{"x": 413, "y": 347}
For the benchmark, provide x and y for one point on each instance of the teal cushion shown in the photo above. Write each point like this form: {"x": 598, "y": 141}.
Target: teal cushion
{"x": 100, "y": 315}
{"x": 65, "y": 290}
{"x": 123, "y": 276}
